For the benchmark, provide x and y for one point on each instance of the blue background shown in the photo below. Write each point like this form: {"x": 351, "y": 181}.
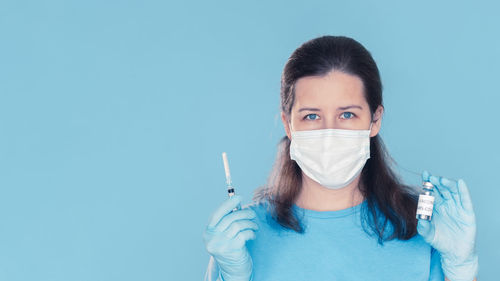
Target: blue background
{"x": 114, "y": 115}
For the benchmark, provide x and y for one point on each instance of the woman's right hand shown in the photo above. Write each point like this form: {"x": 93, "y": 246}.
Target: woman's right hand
{"x": 225, "y": 237}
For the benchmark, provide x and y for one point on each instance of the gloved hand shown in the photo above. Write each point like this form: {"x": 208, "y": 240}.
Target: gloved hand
{"x": 225, "y": 237}
{"x": 452, "y": 229}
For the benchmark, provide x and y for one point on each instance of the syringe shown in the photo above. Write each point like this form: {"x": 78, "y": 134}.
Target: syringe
{"x": 230, "y": 188}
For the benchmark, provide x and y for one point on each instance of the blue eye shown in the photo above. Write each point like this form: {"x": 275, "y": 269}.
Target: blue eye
{"x": 310, "y": 115}
{"x": 347, "y": 115}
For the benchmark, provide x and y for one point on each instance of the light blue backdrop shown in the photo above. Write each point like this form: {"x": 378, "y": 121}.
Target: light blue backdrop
{"x": 114, "y": 114}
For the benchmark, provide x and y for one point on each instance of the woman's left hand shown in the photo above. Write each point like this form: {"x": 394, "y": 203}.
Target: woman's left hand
{"x": 452, "y": 229}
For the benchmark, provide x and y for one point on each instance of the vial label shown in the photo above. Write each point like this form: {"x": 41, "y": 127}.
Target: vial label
{"x": 425, "y": 205}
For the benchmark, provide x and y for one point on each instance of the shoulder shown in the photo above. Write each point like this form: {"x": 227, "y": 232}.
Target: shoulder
{"x": 263, "y": 210}
{"x": 260, "y": 207}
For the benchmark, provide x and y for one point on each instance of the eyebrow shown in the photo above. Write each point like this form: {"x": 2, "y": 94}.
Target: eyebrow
{"x": 340, "y": 108}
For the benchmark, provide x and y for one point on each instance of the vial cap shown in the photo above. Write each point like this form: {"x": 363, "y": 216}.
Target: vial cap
{"x": 428, "y": 185}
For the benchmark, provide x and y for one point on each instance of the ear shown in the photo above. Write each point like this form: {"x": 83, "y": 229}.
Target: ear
{"x": 377, "y": 120}
{"x": 286, "y": 125}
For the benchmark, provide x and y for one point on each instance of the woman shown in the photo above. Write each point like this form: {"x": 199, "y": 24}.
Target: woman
{"x": 333, "y": 209}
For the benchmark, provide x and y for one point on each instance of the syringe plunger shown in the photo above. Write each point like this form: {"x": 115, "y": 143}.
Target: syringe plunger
{"x": 226, "y": 168}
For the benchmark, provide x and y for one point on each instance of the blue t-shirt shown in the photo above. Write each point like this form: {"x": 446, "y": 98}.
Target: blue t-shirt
{"x": 334, "y": 246}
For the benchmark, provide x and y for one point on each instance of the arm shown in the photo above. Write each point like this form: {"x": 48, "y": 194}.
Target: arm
{"x": 452, "y": 230}
{"x": 225, "y": 237}
{"x": 212, "y": 273}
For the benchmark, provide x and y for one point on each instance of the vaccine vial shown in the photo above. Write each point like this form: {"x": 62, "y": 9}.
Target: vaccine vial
{"x": 425, "y": 202}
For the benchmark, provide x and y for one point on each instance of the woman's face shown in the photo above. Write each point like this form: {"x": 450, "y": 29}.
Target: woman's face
{"x": 333, "y": 101}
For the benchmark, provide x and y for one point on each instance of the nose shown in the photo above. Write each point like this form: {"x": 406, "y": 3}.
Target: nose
{"x": 330, "y": 123}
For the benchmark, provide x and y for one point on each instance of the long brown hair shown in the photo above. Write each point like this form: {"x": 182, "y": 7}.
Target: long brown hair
{"x": 387, "y": 198}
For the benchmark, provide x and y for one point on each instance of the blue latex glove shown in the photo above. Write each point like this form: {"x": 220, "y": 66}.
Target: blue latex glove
{"x": 225, "y": 239}
{"x": 452, "y": 229}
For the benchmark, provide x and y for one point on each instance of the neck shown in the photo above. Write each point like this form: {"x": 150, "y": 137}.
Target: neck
{"x": 314, "y": 196}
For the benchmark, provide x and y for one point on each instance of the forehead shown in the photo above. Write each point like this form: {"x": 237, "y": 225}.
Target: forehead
{"x": 334, "y": 89}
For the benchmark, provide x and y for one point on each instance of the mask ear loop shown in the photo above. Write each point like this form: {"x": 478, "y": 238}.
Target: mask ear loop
{"x": 371, "y": 123}
{"x": 290, "y": 126}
